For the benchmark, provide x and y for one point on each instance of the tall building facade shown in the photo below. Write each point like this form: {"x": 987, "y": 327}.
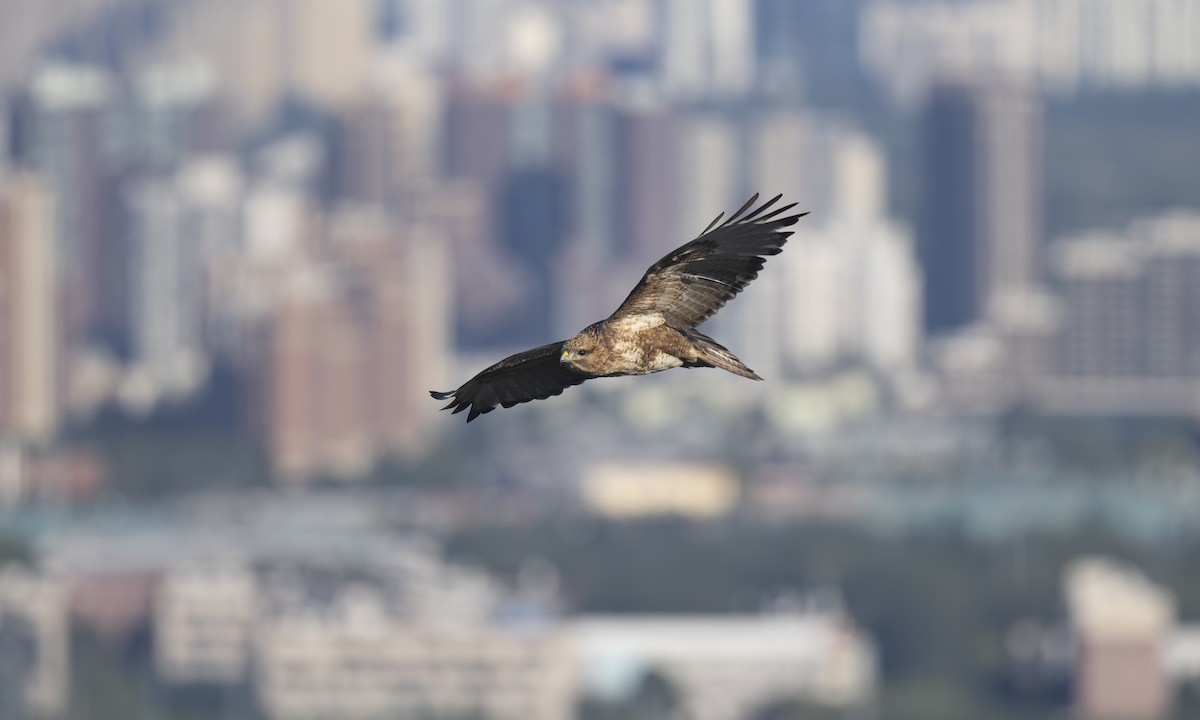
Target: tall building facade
{"x": 979, "y": 221}
{"x": 1130, "y": 300}
{"x": 59, "y": 134}
{"x": 707, "y": 48}
{"x": 30, "y": 331}
{"x": 353, "y": 342}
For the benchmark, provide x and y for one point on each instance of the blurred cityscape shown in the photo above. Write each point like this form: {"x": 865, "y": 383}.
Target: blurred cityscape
{"x": 241, "y": 239}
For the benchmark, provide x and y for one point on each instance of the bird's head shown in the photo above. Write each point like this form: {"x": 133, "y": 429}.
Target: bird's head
{"x": 581, "y": 353}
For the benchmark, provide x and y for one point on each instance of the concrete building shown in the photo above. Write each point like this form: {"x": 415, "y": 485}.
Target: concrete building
{"x": 183, "y": 228}
{"x": 627, "y": 490}
{"x": 263, "y": 49}
{"x": 1127, "y": 342}
{"x": 354, "y": 338}
{"x": 327, "y": 48}
{"x": 302, "y": 602}
{"x": 393, "y": 136}
{"x": 726, "y": 668}
{"x": 30, "y": 327}
{"x": 852, "y": 286}
{"x": 203, "y": 617}
{"x": 358, "y": 656}
{"x": 1100, "y": 278}
{"x": 980, "y": 216}
{"x": 315, "y": 417}
{"x": 848, "y": 287}
{"x": 707, "y": 49}
{"x": 35, "y": 652}
{"x": 1063, "y": 46}
{"x": 1122, "y": 623}
{"x": 165, "y": 273}
{"x": 59, "y": 132}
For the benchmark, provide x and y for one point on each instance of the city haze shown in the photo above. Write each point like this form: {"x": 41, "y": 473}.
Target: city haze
{"x": 240, "y": 241}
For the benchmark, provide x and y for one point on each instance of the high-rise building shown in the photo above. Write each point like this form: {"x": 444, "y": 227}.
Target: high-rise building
{"x": 327, "y": 48}
{"x": 1130, "y": 300}
{"x": 980, "y": 213}
{"x": 648, "y": 160}
{"x": 30, "y": 328}
{"x": 392, "y": 137}
{"x": 166, "y": 271}
{"x": 707, "y": 48}
{"x": 1099, "y": 277}
{"x": 851, "y": 282}
{"x": 1063, "y": 45}
{"x": 318, "y": 51}
{"x": 1172, "y": 294}
{"x": 59, "y": 134}
{"x": 315, "y": 411}
{"x": 354, "y": 339}
{"x": 583, "y": 294}
{"x": 182, "y": 227}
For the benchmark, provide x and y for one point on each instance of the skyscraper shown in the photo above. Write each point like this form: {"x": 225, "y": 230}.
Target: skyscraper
{"x": 356, "y": 336}
{"x": 177, "y": 223}
{"x": 707, "y": 48}
{"x": 979, "y": 220}
{"x": 29, "y": 326}
{"x": 59, "y": 133}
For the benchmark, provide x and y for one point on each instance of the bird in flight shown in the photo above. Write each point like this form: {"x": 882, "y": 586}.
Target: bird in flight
{"x": 655, "y": 328}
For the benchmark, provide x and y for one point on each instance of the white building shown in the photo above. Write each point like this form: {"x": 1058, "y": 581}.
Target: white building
{"x": 33, "y": 619}
{"x": 203, "y": 615}
{"x": 707, "y": 48}
{"x": 359, "y": 656}
{"x": 165, "y": 274}
{"x": 848, "y": 286}
{"x": 726, "y": 667}
{"x": 1064, "y": 45}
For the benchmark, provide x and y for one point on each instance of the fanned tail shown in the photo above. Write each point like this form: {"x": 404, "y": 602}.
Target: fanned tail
{"x": 714, "y": 354}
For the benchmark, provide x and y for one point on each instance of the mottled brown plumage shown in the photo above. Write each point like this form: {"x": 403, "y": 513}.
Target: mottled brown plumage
{"x": 654, "y": 328}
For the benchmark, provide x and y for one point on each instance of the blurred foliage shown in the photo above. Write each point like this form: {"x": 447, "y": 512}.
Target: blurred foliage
{"x": 13, "y": 550}
{"x": 656, "y": 698}
{"x": 939, "y": 604}
{"x": 444, "y": 465}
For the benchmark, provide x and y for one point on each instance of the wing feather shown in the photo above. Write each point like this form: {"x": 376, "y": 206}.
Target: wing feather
{"x": 531, "y": 375}
{"x": 691, "y": 284}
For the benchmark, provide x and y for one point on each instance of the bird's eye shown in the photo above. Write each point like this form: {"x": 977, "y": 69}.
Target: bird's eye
{"x": 581, "y": 352}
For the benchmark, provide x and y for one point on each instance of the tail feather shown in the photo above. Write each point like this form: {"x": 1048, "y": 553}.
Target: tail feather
{"x": 713, "y": 354}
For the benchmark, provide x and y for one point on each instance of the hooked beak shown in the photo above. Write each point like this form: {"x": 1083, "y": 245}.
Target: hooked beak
{"x": 565, "y": 354}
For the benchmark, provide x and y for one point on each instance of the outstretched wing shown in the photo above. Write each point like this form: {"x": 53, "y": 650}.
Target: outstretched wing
{"x": 691, "y": 284}
{"x": 531, "y": 375}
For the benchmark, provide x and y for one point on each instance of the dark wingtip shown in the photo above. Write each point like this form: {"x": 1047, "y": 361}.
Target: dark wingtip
{"x": 441, "y": 395}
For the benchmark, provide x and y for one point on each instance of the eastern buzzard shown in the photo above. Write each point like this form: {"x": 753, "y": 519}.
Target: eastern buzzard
{"x": 655, "y": 328}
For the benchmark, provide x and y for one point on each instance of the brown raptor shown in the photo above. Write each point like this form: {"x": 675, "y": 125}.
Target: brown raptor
{"x": 655, "y": 328}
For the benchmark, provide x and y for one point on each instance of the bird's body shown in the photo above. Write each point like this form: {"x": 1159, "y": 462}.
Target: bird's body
{"x": 654, "y": 328}
{"x": 640, "y": 345}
